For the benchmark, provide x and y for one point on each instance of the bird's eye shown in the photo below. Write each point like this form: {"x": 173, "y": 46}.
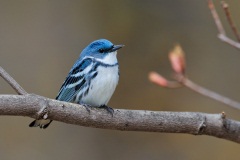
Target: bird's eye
{"x": 101, "y": 50}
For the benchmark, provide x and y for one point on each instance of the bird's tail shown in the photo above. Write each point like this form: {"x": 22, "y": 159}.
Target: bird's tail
{"x": 42, "y": 123}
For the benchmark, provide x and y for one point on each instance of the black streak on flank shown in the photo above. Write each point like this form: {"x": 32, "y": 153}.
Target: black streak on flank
{"x": 94, "y": 75}
{"x": 77, "y": 87}
{"x": 86, "y": 92}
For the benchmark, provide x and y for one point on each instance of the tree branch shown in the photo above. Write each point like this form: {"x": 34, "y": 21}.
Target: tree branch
{"x": 177, "y": 59}
{"x": 206, "y": 92}
{"x": 222, "y": 34}
{"x": 216, "y": 17}
{"x": 12, "y": 82}
{"x": 229, "y": 41}
{"x": 39, "y": 107}
{"x": 230, "y": 21}
{"x": 126, "y": 120}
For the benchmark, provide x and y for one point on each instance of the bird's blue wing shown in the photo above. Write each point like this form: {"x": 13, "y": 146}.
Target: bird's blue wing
{"x": 74, "y": 81}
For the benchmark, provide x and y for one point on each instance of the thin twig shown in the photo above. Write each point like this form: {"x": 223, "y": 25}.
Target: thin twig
{"x": 182, "y": 80}
{"x": 230, "y": 21}
{"x": 174, "y": 84}
{"x": 229, "y": 41}
{"x": 222, "y": 34}
{"x": 208, "y": 93}
{"x": 216, "y": 17}
{"x": 12, "y": 82}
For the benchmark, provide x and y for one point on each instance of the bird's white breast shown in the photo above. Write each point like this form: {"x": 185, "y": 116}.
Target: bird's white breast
{"x": 103, "y": 85}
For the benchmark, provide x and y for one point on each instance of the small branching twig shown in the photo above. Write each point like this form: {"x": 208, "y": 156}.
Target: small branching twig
{"x": 216, "y": 18}
{"x": 208, "y": 93}
{"x": 177, "y": 59}
{"x": 222, "y": 34}
{"x": 230, "y": 21}
{"x": 12, "y": 82}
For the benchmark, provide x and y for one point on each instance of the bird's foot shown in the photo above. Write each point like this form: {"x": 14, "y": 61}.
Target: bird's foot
{"x": 87, "y": 106}
{"x": 109, "y": 109}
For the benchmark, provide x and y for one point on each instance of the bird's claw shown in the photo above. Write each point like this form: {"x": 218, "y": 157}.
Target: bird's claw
{"x": 87, "y": 107}
{"x": 109, "y": 109}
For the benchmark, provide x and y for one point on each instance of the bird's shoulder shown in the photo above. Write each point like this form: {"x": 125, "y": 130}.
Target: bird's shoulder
{"x": 81, "y": 64}
{"x": 76, "y": 77}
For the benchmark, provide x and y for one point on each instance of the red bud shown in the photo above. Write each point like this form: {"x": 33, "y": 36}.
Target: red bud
{"x": 177, "y": 59}
{"x": 158, "y": 79}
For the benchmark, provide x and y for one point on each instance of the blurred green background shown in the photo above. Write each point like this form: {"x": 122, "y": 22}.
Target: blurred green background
{"x": 41, "y": 39}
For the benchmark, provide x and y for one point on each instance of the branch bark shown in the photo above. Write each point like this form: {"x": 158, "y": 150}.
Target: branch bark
{"x": 34, "y": 106}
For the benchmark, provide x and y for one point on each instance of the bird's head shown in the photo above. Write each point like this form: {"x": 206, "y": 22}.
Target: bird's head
{"x": 101, "y": 49}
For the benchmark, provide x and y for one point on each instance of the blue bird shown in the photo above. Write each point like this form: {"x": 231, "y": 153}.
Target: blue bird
{"x": 92, "y": 79}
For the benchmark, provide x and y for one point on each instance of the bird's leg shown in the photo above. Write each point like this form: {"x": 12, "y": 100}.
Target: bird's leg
{"x": 87, "y": 106}
{"x": 109, "y": 109}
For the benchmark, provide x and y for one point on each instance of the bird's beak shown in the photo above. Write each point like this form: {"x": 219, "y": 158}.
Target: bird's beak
{"x": 117, "y": 47}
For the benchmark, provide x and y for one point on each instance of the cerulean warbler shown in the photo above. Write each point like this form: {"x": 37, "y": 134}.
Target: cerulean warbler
{"x": 92, "y": 79}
